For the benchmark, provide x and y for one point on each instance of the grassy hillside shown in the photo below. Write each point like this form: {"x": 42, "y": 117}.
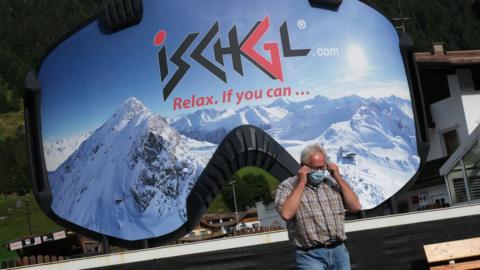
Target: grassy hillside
{"x": 9, "y": 124}
{"x": 13, "y": 153}
{"x": 14, "y": 221}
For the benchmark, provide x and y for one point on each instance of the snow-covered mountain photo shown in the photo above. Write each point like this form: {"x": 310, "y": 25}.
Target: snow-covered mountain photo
{"x": 213, "y": 124}
{"x": 130, "y": 177}
{"x": 124, "y": 166}
{"x": 372, "y": 139}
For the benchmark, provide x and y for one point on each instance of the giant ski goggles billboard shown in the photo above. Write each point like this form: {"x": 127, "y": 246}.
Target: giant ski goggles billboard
{"x": 135, "y": 130}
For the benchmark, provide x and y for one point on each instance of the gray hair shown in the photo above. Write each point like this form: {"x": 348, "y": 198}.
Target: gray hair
{"x": 312, "y": 149}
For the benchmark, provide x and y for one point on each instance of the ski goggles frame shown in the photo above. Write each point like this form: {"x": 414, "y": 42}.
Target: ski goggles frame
{"x": 243, "y": 146}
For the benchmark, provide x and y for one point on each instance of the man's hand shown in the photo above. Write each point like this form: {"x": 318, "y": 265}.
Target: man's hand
{"x": 292, "y": 202}
{"x": 302, "y": 174}
{"x": 333, "y": 170}
{"x": 350, "y": 199}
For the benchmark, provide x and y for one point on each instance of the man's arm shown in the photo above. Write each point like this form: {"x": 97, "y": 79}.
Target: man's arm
{"x": 350, "y": 199}
{"x": 290, "y": 206}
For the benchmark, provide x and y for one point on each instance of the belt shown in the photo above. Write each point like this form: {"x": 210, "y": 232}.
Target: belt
{"x": 331, "y": 244}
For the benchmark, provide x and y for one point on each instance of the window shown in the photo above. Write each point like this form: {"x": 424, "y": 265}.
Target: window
{"x": 476, "y": 77}
{"x": 435, "y": 84}
{"x": 466, "y": 186}
{"x": 440, "y": 202}
{"x": 471, "y": 161}
{"x": 403, "y": 207}
{"x": 456, "y": 184}
{"x": 459, "y": 189}
{"x": 450, "y": 139}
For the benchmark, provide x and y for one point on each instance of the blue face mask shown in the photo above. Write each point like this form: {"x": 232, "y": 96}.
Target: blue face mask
{"x": 317, "y": 177}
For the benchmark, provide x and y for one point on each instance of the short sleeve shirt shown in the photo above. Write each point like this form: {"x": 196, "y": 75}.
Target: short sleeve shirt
{"x": 320, "y": 217}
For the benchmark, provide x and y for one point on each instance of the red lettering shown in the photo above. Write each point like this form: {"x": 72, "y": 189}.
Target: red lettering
{"x": 209, "y": 100}
{"x": 269, "y": 92}
{"x": 176, "y": 102}
{"x": 186, "y": 103}
{"x": 248, "y": 95}
{"x": 200, "y": 101}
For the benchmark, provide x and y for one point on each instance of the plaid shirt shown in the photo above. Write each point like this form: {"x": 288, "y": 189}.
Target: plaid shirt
{"x": 321, "y": 215}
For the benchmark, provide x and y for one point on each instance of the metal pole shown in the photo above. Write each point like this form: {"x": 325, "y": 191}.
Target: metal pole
{"x": 235, "y": 201}
{"x": 449, "y": 189}
{"x": 28, "y": 218}
{"x": 465, "y": 180}
{"x": 105, "y": 244}
{"x": 23, "y": 192}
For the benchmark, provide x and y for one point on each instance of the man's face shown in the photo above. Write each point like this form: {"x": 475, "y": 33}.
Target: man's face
{"x": 317, "y": 161}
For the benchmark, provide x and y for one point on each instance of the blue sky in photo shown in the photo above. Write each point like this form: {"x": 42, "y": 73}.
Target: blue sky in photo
{"x": 87, "y": 77}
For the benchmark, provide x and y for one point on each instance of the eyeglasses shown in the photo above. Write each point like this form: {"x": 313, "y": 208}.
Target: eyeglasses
{"x": 144, "y": 114}
{"x": 316, "y": 168}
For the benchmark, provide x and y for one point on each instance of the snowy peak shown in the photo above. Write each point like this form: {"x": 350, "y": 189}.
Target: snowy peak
{"x": 129, "y": 179}
{"x": 212, "y": 125}
{"x": 364, "y": 113}
{"x": 405, "y": 106}
{"x": 303, "y": 120}
{"x": 281, "y": 102}
{"x": 132, "y": 106}
{"x": 131, "y": 112}
{"x": 58, "y": 151}
{"x": 309, "y": 117}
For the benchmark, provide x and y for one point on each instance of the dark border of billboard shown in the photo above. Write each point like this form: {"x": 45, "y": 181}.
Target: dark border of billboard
{"x": 243, "y": 146}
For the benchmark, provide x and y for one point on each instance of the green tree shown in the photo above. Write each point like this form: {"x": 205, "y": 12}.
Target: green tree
{"x": 4, "y": 105}
{"x": 259, "y": 187}
{"x": 249, "y": 189}
{"x": 13, "y": 163}
{"x": 242, "y": 193}
{"x": 456, "y": 23}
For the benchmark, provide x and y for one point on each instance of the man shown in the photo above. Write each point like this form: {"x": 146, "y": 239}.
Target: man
{"x": 313, "y": 205}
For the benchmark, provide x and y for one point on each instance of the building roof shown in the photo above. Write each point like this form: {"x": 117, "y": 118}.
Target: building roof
{"x": 439, "y": 56}
{"x": 429, "y": 174}
{"x": 241, "y": 215}
{"x": 250, "y": 219}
